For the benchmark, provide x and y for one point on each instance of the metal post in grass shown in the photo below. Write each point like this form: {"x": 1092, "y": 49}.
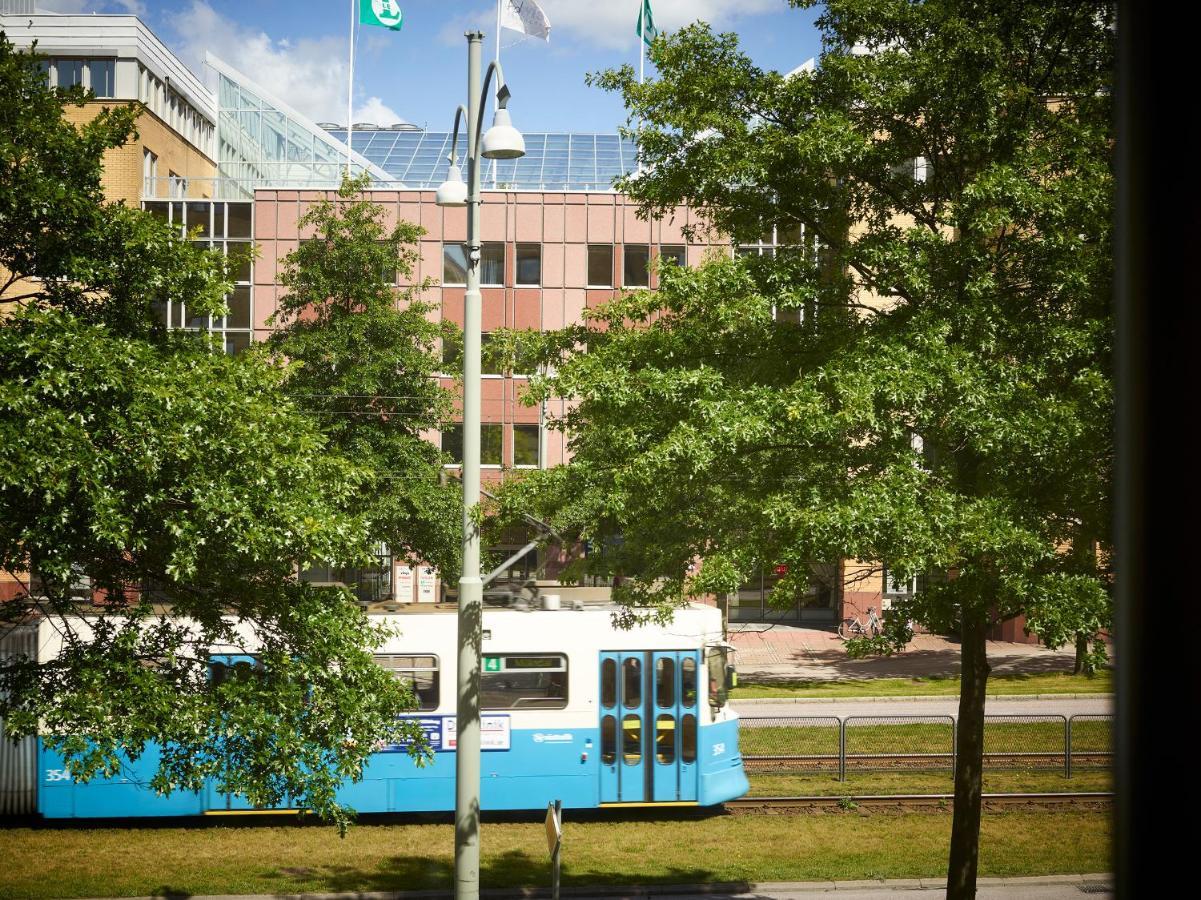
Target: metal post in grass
{"x": 1067, "y": 747}
{"x": 842, "y": 749}
{"x": 554, "y": 843}
{"x": 954, "y": 745}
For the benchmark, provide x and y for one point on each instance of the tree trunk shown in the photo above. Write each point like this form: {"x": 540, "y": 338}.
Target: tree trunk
{"x": 969, "y": 761}
{"x": 1081, "y": 664}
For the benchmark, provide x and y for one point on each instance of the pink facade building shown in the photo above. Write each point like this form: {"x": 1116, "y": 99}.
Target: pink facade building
{"x": 546, "y": 256}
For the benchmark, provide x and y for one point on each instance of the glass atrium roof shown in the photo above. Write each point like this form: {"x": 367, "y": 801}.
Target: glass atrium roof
{"x": 552, "y": 162}
{"x": 264, "y": 143}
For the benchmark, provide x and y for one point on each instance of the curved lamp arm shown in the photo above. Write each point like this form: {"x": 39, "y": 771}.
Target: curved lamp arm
{"x": 460, "y": 113}
{"x": 502, "y": 97}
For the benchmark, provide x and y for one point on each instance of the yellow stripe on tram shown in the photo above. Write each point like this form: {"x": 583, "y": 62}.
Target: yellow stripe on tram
{"x": 650, "y": 803}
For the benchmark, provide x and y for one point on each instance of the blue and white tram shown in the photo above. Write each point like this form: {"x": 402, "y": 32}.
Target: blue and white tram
{"x": 572, "y": 709}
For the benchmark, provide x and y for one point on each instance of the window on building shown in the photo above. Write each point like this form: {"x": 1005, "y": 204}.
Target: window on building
{"x": 898, "y": 586}
{"x": 70, "y": 72}
{"x": 492, "y": 264}
{"x": 214, "y": 219}
{"x": 529, "y": 264}
{"x": 524, "y": 682}
{"x": 490, "y": 443}
{"x": 526, "y": 446}
{"x": 149, "y": 172}
{"x": 102, "y": 73}
{"x": 488, "y": 364}
{"x": 419, "y": 672}
{"x": 491, "y": 437}
{"x": 635, "y": 265}
{"x": 452, "y": 352}
{"x": 387, "y": 268}
{"x": 177, "y": 186}
{"x": 673, "y": 253}
{"x": 600, "y": 265}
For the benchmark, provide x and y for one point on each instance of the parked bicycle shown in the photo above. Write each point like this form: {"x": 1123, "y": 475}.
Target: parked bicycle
{"x": 852, "y": 627}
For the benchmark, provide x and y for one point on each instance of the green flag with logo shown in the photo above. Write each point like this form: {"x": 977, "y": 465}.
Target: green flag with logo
{"x": 646, "y": 23}
{"x": 385, "y": 13}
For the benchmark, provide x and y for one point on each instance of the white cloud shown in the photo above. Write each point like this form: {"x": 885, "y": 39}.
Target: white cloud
{"x": 376, "y": 112}
{"x": 308, "y": 74}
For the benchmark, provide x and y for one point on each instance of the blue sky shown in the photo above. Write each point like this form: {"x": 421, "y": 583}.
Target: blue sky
{"x": 298, "y": 49}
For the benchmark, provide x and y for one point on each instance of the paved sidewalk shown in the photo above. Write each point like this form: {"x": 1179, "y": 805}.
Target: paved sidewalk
{"x": 1047, "y": 887}
{"x": 790, "y": 653}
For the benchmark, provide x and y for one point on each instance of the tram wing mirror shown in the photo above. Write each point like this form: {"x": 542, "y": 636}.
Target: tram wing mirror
{"x": 731, "y": 677}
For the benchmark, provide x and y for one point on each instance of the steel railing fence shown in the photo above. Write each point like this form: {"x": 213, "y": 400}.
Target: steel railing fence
{"x": 813, "y": 745}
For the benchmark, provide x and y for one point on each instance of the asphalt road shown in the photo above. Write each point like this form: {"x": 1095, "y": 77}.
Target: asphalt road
{"x": 1101, "y": 704}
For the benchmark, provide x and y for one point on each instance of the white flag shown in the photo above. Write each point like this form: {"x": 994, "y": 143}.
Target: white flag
{"x": 525, "y": 16}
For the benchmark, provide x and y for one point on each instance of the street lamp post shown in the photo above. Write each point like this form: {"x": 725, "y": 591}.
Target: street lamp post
{"x": 502, "y": 141}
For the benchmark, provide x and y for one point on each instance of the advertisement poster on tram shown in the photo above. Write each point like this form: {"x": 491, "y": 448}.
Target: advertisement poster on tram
{"x": 494, "y": 733}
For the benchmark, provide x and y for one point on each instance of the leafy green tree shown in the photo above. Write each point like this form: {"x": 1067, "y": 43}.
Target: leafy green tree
{"x": 922, "y": 377}
{"x": 156, "y": 497}
{"x": 364, "y": 364}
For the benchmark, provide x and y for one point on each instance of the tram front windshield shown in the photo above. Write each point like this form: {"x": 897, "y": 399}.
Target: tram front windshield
{"x": 717, "y": 660}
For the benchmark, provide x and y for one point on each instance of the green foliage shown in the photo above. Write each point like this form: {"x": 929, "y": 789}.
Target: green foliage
{"x": 364, "y": 361}
{"x": 156, "y": 497}
{"x": 759, "y": 411}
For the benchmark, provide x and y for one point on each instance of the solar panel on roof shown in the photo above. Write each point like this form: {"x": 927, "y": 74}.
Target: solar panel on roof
{"x": 577, "y": 161}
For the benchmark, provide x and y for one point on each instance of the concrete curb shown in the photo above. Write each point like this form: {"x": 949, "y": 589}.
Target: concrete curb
{"x": 915, "y": 699}
{"x": 734, "y": 889}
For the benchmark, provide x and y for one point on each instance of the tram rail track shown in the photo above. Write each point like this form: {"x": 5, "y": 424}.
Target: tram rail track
{"x": 803, "y": 804}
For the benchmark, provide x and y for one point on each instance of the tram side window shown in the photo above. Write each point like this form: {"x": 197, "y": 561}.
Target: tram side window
{"x": 524, "y": 682}
{"x": 632, "y": 692}
{"x": 688, "y": 738}
{"x": 715, "y": 659}
{"x": 608, "y": 740}
{"x": 220, "y": 672}
{"x": 421, "y": 672}
{"x": 609, "y": 683}
{"x": 688, "y": 682}
{"x": 665, "y": 682}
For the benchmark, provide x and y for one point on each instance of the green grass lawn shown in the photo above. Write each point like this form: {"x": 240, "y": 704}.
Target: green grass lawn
{"x": 934, "y": 737}
{"x": 935, "y": 686}
{"x": 871, "y": 783}
{"x": 606, "y": 850}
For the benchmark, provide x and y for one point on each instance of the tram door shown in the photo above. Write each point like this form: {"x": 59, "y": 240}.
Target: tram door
{"x": 648, "y": 727}
{"x": 223, "y": 667}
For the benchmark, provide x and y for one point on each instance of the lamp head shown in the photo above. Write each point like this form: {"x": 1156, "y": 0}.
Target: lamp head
{"x": 502, "y": 140}
{"x": 453, "y": 191}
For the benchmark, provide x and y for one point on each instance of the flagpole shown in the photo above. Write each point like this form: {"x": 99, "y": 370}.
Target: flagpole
{"x": 498, "y": 3}
{"x": 641, "y": 65}
{"x": 350, "y": 94}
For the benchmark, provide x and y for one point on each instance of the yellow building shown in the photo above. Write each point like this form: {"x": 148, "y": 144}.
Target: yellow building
{"x": 122, "y": 61}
